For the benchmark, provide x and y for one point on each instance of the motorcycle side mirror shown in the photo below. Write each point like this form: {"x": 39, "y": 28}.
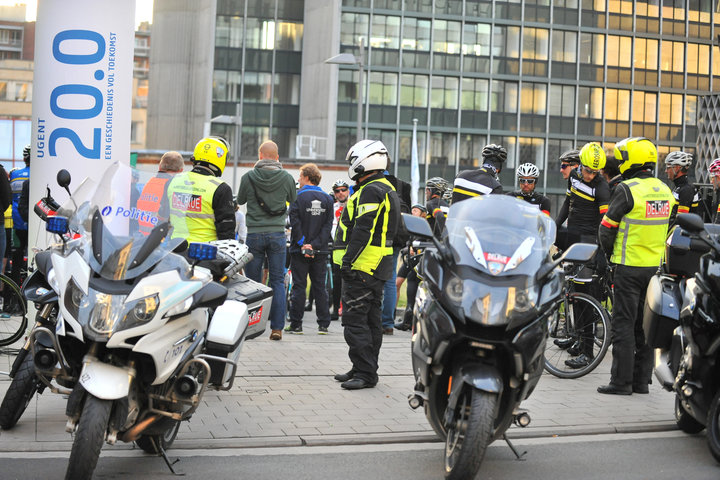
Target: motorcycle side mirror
{"x": 578, "y": 252}
{"x": 690, "y": 222}
{"x": 63, "y": 179}
{"x": 417, "y": 226}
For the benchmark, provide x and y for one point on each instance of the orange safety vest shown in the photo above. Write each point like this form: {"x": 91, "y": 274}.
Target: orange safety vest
{"x": 149, "y": 202}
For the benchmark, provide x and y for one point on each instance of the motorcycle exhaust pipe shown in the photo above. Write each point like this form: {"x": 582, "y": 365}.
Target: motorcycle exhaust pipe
{"x": 186, "y": 386}
{"x": 45, "y": 359}
{"x": 662, "y": 369}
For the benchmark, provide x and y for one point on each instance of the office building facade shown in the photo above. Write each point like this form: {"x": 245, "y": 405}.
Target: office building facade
{"x": 538, "y": 77}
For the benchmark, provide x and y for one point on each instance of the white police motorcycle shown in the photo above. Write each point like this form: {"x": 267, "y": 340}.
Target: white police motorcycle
{"x": 141, "y": 333}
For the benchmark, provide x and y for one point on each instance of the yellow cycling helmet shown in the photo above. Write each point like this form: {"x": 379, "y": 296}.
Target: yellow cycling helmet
{"x": 592, "y": 156}
{"x": 212, "y": 153}
{"x": 635, "y": 152}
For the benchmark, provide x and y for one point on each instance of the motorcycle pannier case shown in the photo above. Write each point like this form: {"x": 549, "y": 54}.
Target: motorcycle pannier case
{"x": 257, "y": 297}
{"x": 225, "y": 335}
{"x": 682, "y": 254}
{"x": 662, "y": 311}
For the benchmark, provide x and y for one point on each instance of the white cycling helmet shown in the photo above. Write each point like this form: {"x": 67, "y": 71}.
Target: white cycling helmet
{"x": 678, "y": 159}
{"x": 528, "y": 170}
{"x": 366, "y": 156}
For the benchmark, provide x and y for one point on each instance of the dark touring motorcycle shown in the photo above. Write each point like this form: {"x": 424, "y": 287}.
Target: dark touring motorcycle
{"x": 682, "y": 322}
{"x": 480, "y": 321}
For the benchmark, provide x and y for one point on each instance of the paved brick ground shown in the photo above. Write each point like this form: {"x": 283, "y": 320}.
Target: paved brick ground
{"x": 285, "y": 395}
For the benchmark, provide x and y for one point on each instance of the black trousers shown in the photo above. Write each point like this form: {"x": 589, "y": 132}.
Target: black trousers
{"x": 632, "y": 358}
{"x": 362, "y": 296}
{"x": 18, "y": 254}
{"x": 317, "y": 269}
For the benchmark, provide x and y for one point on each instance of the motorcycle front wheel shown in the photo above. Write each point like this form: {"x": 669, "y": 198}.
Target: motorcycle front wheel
{"x": 469, "y": 434}
{"x": 684, "y": 420}
{"x": 713, "y": 427}
{"x": 153, "y": 443}
{"x": 18, "y": 396}
{"x": 89, "y": 438}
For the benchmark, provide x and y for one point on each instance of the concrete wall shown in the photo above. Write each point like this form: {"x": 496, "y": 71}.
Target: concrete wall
{"x": 318, "y": 91}
{"x": 181, "y": 65}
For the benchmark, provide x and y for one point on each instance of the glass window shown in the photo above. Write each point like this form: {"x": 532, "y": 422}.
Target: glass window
{"x": 504, "y": 97}
{"x": 698, "y": 59}
{"x": 257, "y": 86}
{"x": 446, "y": 37}
{"x": 619, "y": 51}
{"x": 383, "y": 88}
{"x": 506, "y": 41}
{"x": 416, "y": 34}
{"x": 476, "y": 39}
{"x": 347, "y": 86}
{"x": 592, "y": 48}
{"x": 590, "y": 102}
{"x": 289, "y": 36}
{"x": 444, "y": 92}
{"x": 617, "y": 104}
{"x": 470, "y": 148}
{"x": 354, "y": 26}
{"x": 260, "y": 34}
{"x": 673, "y": 56}
{"x": 671, "y": 108}
{"x": 443, "y": 154}
{"x": 414, "y": 90}
{"x": 644, "y": 107}
{"x": 646, "y": 53}
{"x": 562, "y": 100}
{"x": 535, "y": 43}
{"x": 229, "y": 31}
{"x": 533, "y": 98}
{"x": 385, "y": 32}
{"x": 691, "y": 110}
{"x": 564, "y": 46}
{"x": 474, "y": 94}
{"x": 287, "y": 89}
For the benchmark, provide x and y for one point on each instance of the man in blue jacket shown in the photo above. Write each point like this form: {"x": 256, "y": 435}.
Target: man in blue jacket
{"x": 311, "y": 217}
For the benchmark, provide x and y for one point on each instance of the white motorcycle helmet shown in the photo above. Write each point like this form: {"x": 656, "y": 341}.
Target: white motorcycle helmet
{"x": 366, "y": 156}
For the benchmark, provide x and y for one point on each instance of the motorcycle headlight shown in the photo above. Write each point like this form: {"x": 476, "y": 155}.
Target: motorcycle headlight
{"x": 454, "y": 289}
{"x": 105, "y": 313}
{"x": 73, "y": 298}
{"x": 140, "y": 311}
{"x": 521, "y": 300}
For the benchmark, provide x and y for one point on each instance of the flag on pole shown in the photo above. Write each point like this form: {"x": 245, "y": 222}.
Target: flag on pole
{"x": 414, "y": 166}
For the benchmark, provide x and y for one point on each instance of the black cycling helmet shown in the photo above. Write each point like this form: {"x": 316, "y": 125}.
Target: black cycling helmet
{"x": 436, "y": 185}
{"x": 26, "y": 153}
{"x": 571, "y": 156}
{"x": 495, "y": 153}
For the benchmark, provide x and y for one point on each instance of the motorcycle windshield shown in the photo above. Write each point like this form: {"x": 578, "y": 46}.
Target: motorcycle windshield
{"x": 120, "y": 223}
{"x": 499, "y": 235}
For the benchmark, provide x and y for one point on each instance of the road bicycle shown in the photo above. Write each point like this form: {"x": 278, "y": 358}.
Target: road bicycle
{"x": 580, "y": 325}
{"x": 13, "y": 312}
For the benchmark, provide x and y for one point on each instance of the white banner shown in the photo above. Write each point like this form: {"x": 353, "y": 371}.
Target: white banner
{"x": 414, "y": 166}
{"x": 82, "y": 94}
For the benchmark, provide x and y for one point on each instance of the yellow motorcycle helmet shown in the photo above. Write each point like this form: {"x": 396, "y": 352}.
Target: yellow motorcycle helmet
{"x": 592, "y": 156}
{"x": 635, "y": 152}
{"x": 212, "y": 153}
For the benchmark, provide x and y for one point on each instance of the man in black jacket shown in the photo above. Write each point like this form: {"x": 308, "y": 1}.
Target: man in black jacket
{"x": 5, "y": 201}
{"x": 363, "y": 242}
{"x": 311, "y": 217}
{"x": 484, "y": 180}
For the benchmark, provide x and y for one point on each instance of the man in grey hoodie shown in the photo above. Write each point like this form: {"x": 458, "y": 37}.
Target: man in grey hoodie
{"x": 268, "y": 190}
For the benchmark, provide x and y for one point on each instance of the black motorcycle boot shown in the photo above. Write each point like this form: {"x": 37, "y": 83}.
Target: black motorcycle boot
{"x": 406, "y": 324}
{"x": 344, "y": 377}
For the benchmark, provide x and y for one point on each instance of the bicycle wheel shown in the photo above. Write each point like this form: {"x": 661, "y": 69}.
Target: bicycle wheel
{"x": 288, "y": 289}
{"x": 581, "y": 326}
{"x": 13, "y": 316}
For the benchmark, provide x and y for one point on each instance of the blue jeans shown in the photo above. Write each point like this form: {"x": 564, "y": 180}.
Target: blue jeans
{"x": 272, "y": 246}
{"x": 390, "y": 296}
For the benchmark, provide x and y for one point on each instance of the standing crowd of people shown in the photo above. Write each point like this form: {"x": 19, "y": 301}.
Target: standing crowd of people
{"x": 615, "y": 202}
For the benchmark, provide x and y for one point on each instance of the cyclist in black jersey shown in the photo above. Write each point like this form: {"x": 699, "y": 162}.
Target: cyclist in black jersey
{"x": 687, "y": 199}
{"x": 484, "y": 180}
{"x": 714, "y": 173}
{"x": 586, "y": 199}
{"x": 528, "y": 174}
{"x": 586, "y": 202}
{"x": 435, "y": 187}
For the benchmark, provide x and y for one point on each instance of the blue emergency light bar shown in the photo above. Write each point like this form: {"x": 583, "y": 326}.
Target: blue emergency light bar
{"x": 58, "y": 225}
{"x": 202, "y": 251}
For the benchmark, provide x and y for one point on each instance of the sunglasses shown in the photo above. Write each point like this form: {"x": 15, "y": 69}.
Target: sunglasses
{"x": 563, "y": 166}
{"x": 527, "y": 180}
{"x": 340, "y": 190}
{"x": 590, "y": 170}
